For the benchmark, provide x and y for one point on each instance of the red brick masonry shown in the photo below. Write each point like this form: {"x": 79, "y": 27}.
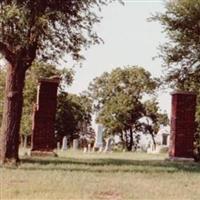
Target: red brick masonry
{"x": 44, "y": 116}
{"x": 182, "y": 125}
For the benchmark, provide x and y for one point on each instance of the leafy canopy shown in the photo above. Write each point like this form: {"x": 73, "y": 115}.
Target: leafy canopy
{"x": 130, "y": 82}
{"x": 47, "y": 28}
{"x": 181, "y": 54}
{"x": 119, "y": 95}
{"x": 73, "y": 112}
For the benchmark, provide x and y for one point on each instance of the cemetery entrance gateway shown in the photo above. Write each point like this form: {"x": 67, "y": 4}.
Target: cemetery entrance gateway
{"x": 182, "y": 121}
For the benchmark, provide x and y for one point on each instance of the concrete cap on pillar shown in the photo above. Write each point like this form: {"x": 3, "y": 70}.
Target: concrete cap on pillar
{"x": 52, "y": 79}
{"x": 182, "y": 93}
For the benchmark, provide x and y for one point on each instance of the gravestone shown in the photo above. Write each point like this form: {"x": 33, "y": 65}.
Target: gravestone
{"x": 99, "y": 137}
{"x": 43, "y": 141}
{"x": 182, "y": 125}
{"x": 58, "y": 146}
{"x": 64, "y": 143}
{"x": 75, "y": 144}
{"x": 85, "y": 150}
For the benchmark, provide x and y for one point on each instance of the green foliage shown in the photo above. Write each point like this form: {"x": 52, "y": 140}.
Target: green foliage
{"x": 119, "y": 96}
{"x": 181, "y": 55}
{"x": 130, "y": 81}
{"x": 50, "y": 27}
{"x": 73, "y": 111}
{"x": 181, "y": 23}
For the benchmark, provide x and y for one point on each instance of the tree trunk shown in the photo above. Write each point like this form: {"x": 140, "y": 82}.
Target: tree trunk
{"x": 130, "y": 146}
{"x": 122, "y": 140}
{"x": 126, "y": 138}
{"x": 9, "y": 137}
{"x": 154, "y": 142}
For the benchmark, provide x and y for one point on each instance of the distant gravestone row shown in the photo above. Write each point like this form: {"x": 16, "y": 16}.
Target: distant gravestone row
{"x": 43, "y": 141}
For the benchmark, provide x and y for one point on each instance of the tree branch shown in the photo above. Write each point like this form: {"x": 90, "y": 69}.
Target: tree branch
{"x": 9, "y": 55}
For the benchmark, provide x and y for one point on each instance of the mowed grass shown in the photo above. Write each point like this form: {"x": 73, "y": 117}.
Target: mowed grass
{"x": 117, "y": 176}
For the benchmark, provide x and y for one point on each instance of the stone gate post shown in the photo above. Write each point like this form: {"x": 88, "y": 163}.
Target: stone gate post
{"x": 182, "y": 125}
{"x": 43, "y": 141}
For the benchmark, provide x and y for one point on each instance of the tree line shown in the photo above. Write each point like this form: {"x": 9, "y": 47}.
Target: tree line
{"x": 125, "y": 102}
{"x": 117, "y": 97}
{"x": 72, "y": 110}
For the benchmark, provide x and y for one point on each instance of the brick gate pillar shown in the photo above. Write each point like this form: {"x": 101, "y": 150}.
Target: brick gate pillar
{"x": 182, "y": 125}
{"x": 43, "y": 141}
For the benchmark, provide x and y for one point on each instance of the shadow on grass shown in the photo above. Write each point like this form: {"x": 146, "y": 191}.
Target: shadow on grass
{"x": 107, "y": 165}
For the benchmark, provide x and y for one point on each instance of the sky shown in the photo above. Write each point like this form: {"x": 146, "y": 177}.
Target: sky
{"x": 129, "y": 39}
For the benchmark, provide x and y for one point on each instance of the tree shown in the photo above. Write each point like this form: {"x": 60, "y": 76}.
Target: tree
{"x": 181, "y": 57}
{"x": 39, "y": 29}
{"x": 118, "y": 98}
{"x": 181, "y": 54}
{"x": 73, "y": 112}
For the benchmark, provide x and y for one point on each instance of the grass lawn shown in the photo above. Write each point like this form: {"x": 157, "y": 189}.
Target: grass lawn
{"x": 117, "y": 176}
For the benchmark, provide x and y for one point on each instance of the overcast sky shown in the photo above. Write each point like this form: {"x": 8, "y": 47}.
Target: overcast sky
{"x": 129, "y": 39}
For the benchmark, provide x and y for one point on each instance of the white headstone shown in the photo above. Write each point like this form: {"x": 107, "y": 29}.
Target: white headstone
{"x": 85, "y": 150}
{"x": 58, "y": 145}
{"x": 64, "y": 143}
{"x": 99, "y": 136}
